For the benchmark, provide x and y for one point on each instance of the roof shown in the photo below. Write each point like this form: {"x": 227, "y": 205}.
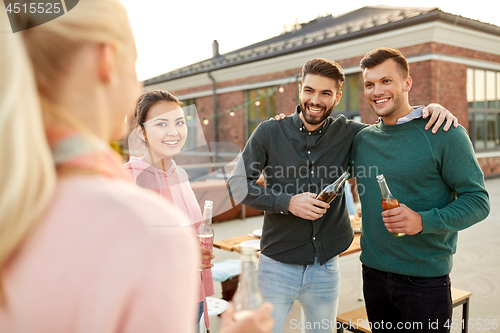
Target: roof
{"x": 326, "y": 30}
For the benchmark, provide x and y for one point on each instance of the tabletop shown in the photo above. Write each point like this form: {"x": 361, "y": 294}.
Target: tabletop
{"x": 232, "y": 244}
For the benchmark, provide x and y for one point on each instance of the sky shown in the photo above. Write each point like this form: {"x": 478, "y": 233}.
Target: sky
{"x": 173, "y": 34}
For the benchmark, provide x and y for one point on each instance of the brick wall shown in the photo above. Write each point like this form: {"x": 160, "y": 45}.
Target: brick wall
{"x": 433, "y": 81}
{"x": 232, "y": 128}
{"x": 287, "y": 100}
{"x": 441, "y": 82}
{"x": 490, "y": 166}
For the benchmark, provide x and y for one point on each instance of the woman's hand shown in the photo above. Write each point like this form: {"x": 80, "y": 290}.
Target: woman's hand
{"x": 206, "y": 255}
{"x": 259, "y": 321}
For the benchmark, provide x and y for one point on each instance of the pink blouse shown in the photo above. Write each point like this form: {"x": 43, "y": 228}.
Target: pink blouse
{"x": 174, "y": 186}
{"x": 105, "y": 258}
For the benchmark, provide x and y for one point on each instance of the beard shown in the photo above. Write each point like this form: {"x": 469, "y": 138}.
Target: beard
{"x": 397, "y": 101}
{"x": 315, "y": 119}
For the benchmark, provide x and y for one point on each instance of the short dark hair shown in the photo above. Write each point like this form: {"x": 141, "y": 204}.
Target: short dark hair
{"x": 378, "y": 56}
{"x": 326, "y": 68}
{"x": 150, "y": 98}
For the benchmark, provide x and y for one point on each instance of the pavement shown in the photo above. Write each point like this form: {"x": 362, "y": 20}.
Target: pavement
{"x": 476, "y": 269}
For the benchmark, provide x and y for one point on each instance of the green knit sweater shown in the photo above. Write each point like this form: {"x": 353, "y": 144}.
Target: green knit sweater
{"x": 436, "y": 175}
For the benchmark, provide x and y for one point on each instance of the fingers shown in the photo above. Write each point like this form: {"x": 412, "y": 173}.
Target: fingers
{"x": 207, "y": 257}
{"x": 450, "y": 119}
{"x": 204, "y": 267}
{"x": 265, "y": 321}
{"x": 205, "y": 251}
{"x": 278, "y": 117}
{"x": 432, "y": 120}
{"x": 260, "y": 321}
{"x": 440, "y": 121}
{"x": 425, "y": 112}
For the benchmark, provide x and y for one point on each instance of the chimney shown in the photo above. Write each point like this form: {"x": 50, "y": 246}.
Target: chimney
{"x": 215, "y": 49}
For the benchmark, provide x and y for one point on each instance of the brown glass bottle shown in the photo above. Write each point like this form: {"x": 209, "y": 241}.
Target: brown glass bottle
{"x": 388, "y": 200}
{"x": 331, "y": 191}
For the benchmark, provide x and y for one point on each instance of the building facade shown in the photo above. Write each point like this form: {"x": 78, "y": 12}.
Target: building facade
{"x": 454, "y": 61}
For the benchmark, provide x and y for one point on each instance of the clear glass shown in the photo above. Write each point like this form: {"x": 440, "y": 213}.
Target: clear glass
{"x": 480, "y": 131}
{"x": 247, "y": 297}
{"x": 479, "y": 88}
{"x": 471, "y": 128}
{"x": 490, "y": 90}
{"x": 498, "y": 130}
{"x": 354, "y": 92}
{"x": 490, "y": 131}
{"x": 498, "y": 90}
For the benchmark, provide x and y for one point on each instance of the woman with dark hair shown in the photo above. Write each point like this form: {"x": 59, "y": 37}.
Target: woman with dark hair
{"x": 161, "y": 129}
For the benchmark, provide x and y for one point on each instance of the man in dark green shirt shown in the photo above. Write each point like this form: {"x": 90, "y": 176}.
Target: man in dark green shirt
{"x": 440, "y": 186}
{"x": 302, "y": 237}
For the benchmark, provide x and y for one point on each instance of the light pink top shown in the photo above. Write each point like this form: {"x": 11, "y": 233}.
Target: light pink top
{"x": 174, "y": 186}
{"x": 94, "y": 265}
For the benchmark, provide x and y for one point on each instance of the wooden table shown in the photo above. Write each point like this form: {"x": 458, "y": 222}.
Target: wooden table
{"x": 231, "y": 244}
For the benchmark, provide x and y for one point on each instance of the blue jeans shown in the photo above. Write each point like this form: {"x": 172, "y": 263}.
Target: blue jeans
{"x": 200, "y": 312}
{"x": 198, "y": 318}
{"x": 316, "y": 287}
{"x": 406, "y": 303}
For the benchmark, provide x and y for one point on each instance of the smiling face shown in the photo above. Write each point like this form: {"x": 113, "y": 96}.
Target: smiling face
{"x": 386, "y": 90}
{"x": 166, "y": 130}
{"x": 318, "y": 96}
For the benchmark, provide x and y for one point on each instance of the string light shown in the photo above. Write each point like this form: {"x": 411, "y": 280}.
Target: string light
{"x": 241, "y": 107}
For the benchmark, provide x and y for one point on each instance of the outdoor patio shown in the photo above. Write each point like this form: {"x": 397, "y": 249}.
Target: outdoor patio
{"x": 476, "y": 269}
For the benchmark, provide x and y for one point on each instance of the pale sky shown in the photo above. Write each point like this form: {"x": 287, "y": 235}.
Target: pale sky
{"x": 172, "y": 34}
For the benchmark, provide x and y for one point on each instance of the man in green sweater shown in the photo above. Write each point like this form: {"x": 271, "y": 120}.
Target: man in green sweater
{"x": 440, "y": 186}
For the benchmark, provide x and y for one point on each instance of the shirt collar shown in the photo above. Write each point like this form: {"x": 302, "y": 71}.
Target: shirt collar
{"x": 415, "y": 114}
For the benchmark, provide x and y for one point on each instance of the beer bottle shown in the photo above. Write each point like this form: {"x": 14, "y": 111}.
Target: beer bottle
{"x": 247, "y": 297}
{"x": 388, "y": 200}
{"x": 331, "y": 191}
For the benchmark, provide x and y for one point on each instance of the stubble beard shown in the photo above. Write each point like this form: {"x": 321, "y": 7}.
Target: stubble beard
{"x": 397, "y": 102}
{"x": 312, "y": 120}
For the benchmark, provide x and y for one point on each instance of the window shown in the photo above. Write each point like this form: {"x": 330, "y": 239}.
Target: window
{"x": 261, "y": 105}
{"x": 483, "y": 96}
{"x": 349, "y": 103}
{"x": 192, "y": 119}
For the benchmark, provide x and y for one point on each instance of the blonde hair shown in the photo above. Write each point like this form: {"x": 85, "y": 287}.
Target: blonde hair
{"x": 28, "y": 175}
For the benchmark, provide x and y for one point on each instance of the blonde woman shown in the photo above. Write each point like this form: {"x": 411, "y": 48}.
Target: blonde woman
{"x": 82, "y": 249}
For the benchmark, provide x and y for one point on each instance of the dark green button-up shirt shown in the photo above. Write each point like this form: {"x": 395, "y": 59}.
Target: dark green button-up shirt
{"x": 294, "y": 160}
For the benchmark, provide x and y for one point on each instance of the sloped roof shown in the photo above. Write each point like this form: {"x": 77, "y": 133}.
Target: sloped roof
{"x": 323, "y": 31}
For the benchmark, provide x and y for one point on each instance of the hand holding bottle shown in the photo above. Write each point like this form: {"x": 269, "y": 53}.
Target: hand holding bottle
{"x": 206, "y": 255}
{"x": 306, "y": 206}
{"x": 402, "y": 220}
{"x": 397, "y": 217}
{"x": 259, "y": 321}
